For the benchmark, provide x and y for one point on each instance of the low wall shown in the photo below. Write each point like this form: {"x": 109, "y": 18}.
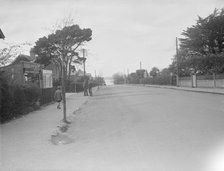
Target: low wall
{"x": 220, "y": 83}
{"x": 203, "y": 81}
{"x": 185, "y": 83}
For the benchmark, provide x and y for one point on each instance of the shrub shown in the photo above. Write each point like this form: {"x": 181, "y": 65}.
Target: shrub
{"x": 158, "y": 80}
{"x": 17, "y": 100}
{"x": 32, "y": 95}
{"x": 7, "y": 101}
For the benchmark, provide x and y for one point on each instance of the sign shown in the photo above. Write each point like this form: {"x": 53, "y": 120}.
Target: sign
{"x": 47, "y": 79}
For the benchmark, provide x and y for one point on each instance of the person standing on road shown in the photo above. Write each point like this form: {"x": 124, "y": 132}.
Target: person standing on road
{"x": 58, "y": 97}
{"x": 85, "y": 86}
{"x": 90, "y": 86}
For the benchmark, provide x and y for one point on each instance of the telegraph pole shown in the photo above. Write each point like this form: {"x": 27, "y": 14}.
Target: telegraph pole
{"x": 128, "y": 76}
{"x": 124, "y": 77}
{"x": 84, "y": 62}
{"x": 177, "y": 56}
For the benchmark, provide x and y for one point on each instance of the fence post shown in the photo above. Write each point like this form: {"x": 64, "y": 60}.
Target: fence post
{"x": 214, "y": 79}
{"x": 194, "y": 81}
{"x": 177, "y": 81}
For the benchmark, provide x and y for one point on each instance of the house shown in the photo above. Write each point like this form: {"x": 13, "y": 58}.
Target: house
{"x": 142, "y": 73}
{"x": 23, "y": 73}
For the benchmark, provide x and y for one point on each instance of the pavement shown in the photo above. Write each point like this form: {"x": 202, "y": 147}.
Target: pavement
{"x": 219, "y": 91}
{"x": 34, "y": 131}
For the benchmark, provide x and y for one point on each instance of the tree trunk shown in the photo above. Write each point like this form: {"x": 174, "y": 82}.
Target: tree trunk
{"x": 63, "y": 90}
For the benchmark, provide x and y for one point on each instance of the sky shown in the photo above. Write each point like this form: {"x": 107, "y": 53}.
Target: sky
{"x": 125, "y": 32}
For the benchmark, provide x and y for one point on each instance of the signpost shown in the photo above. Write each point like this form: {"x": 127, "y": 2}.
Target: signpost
{"x": 47, "y": 79}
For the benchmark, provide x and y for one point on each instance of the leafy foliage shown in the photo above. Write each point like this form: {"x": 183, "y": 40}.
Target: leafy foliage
{"x": 17, "y": 100}
{"x": 154, "y": 72}
{"x": 140, "y": 73}
{"x": 62, "y": 44}
{"x": 207, "y": 36}
{"x": 133, "y": 78}
{"x": 201, "y": 51}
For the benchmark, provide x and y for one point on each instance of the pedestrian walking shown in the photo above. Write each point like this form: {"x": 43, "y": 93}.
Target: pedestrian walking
{"x": 58, "y": 97}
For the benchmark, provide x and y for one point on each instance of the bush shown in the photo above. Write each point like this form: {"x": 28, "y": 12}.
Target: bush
{"x": 158, "y": 80}
{"x": 7, "y": 101}
{"x": 17, "y": 101}
{"x": 32, "y": 95}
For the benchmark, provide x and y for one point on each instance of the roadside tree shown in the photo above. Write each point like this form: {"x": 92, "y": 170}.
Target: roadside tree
{"x": 201, "y": 49}
{"x": 62, "y": 45}
{"x": 154, "y": 72}
{"x": 207, "y": 35}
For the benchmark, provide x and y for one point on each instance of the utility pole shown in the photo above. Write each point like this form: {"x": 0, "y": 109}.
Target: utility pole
{"x": 98, "y": 80}
{"x": 128, "y": 76}
{"x": 124, "y": 77}
{"x": 140, "y": 65}
{"x": 177, "y": 56}
{"x": 84, "y": 62}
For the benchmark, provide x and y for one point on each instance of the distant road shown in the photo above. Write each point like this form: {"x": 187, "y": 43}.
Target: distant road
{"x": 109, "y": 81}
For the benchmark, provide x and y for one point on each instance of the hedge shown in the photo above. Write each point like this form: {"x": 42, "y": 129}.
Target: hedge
{"x": 17, "y": 101}
{"x": 159, "y": 80}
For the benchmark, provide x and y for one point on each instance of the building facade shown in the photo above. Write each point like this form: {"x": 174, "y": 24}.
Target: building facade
{"x": 23, "y": 73}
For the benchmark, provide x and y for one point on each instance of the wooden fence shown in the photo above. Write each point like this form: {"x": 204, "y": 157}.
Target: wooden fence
{"x": 47, "y": 95}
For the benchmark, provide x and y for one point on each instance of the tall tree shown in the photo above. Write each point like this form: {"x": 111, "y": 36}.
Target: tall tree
{"x": 60, "y": 47}
{"x": 62, "y": 44}
{"x": 202, "y": 46}
{"x": 207, "y": 35}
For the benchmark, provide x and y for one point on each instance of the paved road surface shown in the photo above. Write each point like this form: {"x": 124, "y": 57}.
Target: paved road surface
{"x": 142, "y": 128}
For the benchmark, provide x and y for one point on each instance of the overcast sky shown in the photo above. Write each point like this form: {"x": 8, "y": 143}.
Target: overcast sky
{"x": 125, "y": 32}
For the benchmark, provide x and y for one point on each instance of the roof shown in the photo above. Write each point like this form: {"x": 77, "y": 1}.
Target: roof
{"x": 2, "y": 36}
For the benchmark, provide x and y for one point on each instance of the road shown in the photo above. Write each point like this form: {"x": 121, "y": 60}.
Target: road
{"x": 142, "y": 128}
{"x": 130, "y": 128}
